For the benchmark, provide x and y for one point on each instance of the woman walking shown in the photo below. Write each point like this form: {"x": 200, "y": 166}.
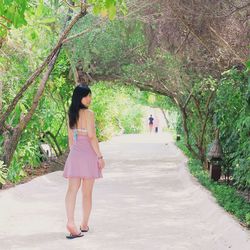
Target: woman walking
{"x": 85, "y": 161}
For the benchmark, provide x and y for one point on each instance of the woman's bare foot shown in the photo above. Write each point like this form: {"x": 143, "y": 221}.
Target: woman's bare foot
{"x": 72, "y": 229}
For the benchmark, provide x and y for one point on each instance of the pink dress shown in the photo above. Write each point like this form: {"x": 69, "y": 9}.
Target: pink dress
{"x": 82, "y": 161}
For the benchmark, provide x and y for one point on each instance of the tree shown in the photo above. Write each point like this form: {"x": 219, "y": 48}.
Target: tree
{"x": 12, "y": 135}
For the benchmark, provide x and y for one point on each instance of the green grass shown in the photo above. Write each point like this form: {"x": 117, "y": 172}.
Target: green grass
{"x": 226, "y": 196}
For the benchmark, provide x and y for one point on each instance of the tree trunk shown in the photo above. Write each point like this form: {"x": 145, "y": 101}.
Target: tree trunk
{"x": 165, "y": 117}
{"x": 186, "y": 133}
{"x": 56, "y": 148}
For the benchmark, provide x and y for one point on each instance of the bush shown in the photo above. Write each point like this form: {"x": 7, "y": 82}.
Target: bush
{"x": 233, "y": 120}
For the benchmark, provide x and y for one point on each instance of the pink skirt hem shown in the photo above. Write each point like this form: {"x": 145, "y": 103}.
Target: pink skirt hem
{"x": 83, "y": 177}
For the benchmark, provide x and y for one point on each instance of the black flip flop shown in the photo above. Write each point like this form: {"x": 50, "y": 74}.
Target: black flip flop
{"x": 84, "y": 230}
{"x": 71, "y": 236}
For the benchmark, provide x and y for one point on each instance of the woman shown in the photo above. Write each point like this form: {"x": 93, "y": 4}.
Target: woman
{"x": 85, "y": 161}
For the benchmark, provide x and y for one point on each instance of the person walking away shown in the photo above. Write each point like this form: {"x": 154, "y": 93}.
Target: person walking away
{"x": 151, "y": 123}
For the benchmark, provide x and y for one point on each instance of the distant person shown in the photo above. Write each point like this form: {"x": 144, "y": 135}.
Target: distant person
{"x": 85, "y": 161}
{"x": 151, "y": 123}
{"x": 156, "y": 124}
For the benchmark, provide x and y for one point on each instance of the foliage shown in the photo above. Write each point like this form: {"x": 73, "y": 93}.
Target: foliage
{"x": 229, "y": 111}
{"x": 204, "y": 47}
{"x": 198, "y": 120}
{"x": 49, "y": 117}
{"x": 123, "y": 39}
{"x": 157, "y": 101}
{"x": 115, "y": 110}
{"x": 108, "y": 7}
{"x": 234, "y": 91}
{"x": 27, "y": 154}
{"x": 12, "y": 13}
{"x": 22, "y": 53}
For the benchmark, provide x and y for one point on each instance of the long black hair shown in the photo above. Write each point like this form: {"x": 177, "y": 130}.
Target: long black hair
{"x": 79, "y": 92}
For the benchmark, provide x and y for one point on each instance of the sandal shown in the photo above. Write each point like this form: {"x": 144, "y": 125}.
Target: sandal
{"x": 72, "y": 236}
{"x": 84, "y": 230}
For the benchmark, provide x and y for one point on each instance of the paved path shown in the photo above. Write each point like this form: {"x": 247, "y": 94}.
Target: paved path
{"x": 147, "y": 200}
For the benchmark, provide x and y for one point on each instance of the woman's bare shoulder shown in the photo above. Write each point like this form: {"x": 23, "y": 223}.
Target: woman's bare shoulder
{"x": 89, "y": 111}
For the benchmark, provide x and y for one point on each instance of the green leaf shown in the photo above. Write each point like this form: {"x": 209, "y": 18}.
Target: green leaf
{"x": 33, "y": 35}
{"x": 96, "y": 9}
{"x": 248, "y": 64}
{"x": 112, "y": 12}
{"x": 109, "y": 3}
{"x": 13, "y": 11}
{"x": 40, "y": 8}
{"x": 48, "y": 20}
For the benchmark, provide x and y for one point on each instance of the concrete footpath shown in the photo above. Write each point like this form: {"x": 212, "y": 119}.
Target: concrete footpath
{"x": 147, "y": 200}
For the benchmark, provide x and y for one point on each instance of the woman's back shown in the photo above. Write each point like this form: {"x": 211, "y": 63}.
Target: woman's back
{"x": 81, "y": 125}
{"x": 84, "y": 121}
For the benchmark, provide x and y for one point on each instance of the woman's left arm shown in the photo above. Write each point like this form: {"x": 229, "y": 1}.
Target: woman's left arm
{"x": 70, "y": 136}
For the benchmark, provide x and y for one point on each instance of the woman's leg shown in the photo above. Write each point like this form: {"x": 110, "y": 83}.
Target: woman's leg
{"x": 87, "y": 188}
{"x": 70, "y": 201}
